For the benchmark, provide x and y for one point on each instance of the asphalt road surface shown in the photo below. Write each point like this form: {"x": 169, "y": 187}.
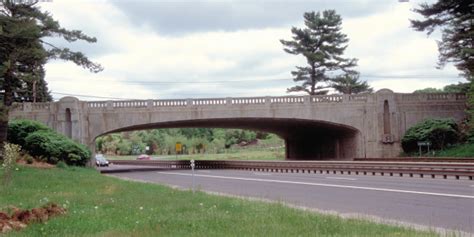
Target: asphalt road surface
{"x": 435, "y": 203}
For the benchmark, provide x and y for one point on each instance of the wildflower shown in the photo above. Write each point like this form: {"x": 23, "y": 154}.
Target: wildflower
{"x": 141, "y": 208}
{"x": 96, "y": 207}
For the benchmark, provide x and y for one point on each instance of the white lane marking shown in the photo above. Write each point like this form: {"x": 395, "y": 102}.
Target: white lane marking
{"x": 204, "y": 171}
{"x": 340, "y": 178}
{"x": 262, "y": 174}
{"x": 325, "y": 185}
{"x": 472, "y": 186}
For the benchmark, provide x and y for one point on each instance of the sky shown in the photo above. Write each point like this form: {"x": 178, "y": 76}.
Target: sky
{"x": 165, "y": 49}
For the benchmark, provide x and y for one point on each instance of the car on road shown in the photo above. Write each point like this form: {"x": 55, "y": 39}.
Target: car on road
{"x": 101, "y": 161}
{"x": 143, "y": 157}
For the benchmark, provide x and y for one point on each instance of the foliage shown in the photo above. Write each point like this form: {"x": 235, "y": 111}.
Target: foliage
{"x": 457, "y": 88}
{"x": 454, "y": 19}
{"x": 322, "y": 44}
{"x": 54, "y": 147}
{"x": 12, "y": 153}
{"x": 19, "y": 129}
{"x": 24, "y": 51}
{"x": 452, "y": 88}
{"x": 470, "y": 112}
{"x": 428, "y": 90}
{"x": 61, "y": 164}
{"x": 459, "y": 150}
{"x": 440, "y": 132}
{"x": 163, "y": 141}
{"x": 350, "y": 84}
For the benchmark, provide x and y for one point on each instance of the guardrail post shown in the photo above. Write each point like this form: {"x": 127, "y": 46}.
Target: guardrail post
{"x": 228, "y": 101}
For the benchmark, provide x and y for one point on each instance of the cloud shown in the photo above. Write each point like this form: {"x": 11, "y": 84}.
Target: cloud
{"x": 219, "y": 59}
{"x": 185, "y": 17}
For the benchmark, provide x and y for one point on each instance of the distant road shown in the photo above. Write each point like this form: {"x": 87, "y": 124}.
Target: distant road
{"x": 430, "y": 202}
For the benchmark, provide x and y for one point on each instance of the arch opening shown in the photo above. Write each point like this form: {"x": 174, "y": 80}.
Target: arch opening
{"x": 304, "y": 139}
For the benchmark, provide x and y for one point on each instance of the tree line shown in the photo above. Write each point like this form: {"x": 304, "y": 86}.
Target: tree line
{"x": 193, "y": 140}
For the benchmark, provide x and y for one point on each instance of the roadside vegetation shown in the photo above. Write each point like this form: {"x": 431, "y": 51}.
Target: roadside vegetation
{"x": 213, "y": 142}
{"x": 236, "y": 154}
{"x": 460, "y": 150}
{"x": 98, "y": 205}
{"x": 40, "y": 142}
{"x": 445, "y": 137}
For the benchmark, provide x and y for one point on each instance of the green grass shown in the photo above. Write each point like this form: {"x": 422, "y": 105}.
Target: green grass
{"x": 278, "y": 154}
{"x": 105, "y": 206}
{"x": 462, "y": 150}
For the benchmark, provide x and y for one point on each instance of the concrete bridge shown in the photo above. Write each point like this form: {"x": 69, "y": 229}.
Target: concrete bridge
{"x": 313, "y": 127}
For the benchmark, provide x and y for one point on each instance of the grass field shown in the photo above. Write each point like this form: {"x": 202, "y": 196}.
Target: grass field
{"x": 278, "y": 154}
{"x": 104, "y": 206}
{"x": 462, "y": 150}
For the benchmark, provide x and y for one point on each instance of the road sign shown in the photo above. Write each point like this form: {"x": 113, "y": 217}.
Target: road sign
{"x": 427, "y": 143}
{"x": 179, "y": 147}
{"x": 424, "y": 143}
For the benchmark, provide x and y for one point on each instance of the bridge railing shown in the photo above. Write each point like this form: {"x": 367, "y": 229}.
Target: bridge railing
{"x": 432, "y": 97}
{"x": 229, "y": 101}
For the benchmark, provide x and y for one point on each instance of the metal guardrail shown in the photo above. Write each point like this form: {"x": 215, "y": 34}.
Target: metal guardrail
{"x": 401, "y": 169}
{"x": 420, "y": 159}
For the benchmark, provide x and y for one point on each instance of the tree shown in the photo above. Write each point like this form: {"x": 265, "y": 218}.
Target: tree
{"x": 24, "y": 51}
{"x": 322, "y": 44}
{"x": 452, "y": 88}
{"x": 457, "y": 88}
{"x": 455, "y": 20}
{"x": 428, "y": 90}
{"x": 350, "y": 84}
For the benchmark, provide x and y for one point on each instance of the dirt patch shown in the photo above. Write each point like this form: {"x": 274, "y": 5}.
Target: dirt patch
{"x": 19, "y": 219}
{"x": 36, "y": 164}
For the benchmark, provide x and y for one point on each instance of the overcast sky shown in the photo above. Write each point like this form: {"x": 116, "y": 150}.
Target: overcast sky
{"x": 156, "y": 49}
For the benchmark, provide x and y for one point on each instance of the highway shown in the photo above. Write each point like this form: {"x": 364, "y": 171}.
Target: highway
{"x": 436, "y": 203}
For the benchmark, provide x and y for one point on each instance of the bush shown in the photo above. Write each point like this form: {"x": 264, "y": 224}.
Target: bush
{"x": 12, "y": 153}
{"x": 440, "y": 132}
{"x": 56, "y": 147}
{"x": 18, "y": 130}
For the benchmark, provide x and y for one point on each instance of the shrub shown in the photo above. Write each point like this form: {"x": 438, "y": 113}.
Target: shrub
{"x": 18, "y": 130}
{"x": 61, "y": 165}
{"x": 440, "y": 132}
{"x": 12, "y": 153}
{"x": 56, "y": 147}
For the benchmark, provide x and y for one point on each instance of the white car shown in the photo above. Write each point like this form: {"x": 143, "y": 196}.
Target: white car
{"x": 100, "y": 160}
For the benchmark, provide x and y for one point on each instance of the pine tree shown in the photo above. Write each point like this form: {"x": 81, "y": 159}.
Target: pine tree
{"x": 455, "y": 20}
{"x": 24, "y": 51}
{"x": 322, "y": 44}
{"x": 350, "y": 84}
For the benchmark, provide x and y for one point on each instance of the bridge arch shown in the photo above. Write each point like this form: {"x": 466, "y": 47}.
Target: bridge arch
{"x": 304, "y": 139}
